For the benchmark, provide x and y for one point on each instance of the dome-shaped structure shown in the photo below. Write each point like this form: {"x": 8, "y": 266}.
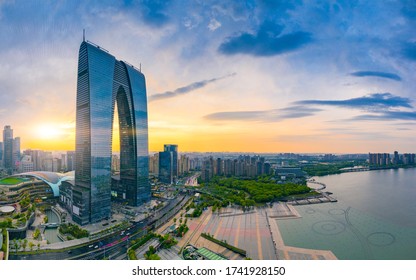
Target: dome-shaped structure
{"x": 53, "y": 179}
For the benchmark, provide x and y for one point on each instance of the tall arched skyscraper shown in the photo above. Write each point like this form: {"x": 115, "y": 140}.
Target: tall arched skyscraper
{"x": 103, "y": 81}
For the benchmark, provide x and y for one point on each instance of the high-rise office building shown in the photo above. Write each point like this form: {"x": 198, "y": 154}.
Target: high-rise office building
{"x": 37, "y": 158}
{"x": 183, "y": 164}
{"x": 168, "y": 164}
{"x": 47, "y": 161}
{"x": 26, "y": 164}
{"x": 103, "y": 81}
{"x": 396, "y": 158}
{"x": 63, "y": 162}
{"x": 1, "y": 154}
{"x": 16, "y": 152}
{"x": 70, "y": 160}
{"x": 173, "y": 149}
{"x": 165, "y": 167}
{"x": 154, "y": 164}
{"x": 8, "y": 149}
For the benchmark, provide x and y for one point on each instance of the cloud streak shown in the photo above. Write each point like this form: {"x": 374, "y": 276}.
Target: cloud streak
{"x": 274, "y": 115}
{"x": 389, "y": 116}
{"x": 267, "y": 41}
{"x": 378, "y": 105}
{"x": 186, "y": 89}
{"x": 384, "y": 75}
{"x": 369, "y": 102}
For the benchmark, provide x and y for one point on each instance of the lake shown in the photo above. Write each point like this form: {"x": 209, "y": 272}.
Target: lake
{"x": 374, "y": 218}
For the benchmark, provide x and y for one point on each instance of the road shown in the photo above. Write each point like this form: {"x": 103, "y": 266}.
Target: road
{"x": 193, "y": 180}
{"x": 113, "y": 246}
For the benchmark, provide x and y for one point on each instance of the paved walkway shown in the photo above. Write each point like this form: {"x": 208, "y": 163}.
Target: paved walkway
{"x": 256, "y": 231}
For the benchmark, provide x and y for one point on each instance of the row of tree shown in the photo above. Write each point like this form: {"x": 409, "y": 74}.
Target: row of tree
{"x": 16, "y": 244}
{"x": 74, "y": 230}
{"x": 248, "y": 192}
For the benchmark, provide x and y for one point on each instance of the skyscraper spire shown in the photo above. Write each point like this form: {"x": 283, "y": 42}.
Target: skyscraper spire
{"x": 83, "y": 35}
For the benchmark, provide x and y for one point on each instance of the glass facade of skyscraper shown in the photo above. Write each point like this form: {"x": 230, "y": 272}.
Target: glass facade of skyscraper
{"x": 102, "y": 81}
{"x": 168, "y": 164}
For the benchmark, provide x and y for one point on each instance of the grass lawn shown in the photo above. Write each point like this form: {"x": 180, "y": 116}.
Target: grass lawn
{"x": 11, "y": 181}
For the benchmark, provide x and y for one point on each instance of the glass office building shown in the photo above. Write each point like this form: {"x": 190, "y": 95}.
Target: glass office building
{"x": 103, "y": 81}
{"x": 168, "y": 164}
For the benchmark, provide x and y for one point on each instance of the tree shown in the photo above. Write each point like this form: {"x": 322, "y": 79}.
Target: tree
{"x": 16, "y": 245}
{"x": 31, "y": 245}
{"x": 153, "y": 257}
{"x": 38, "y": 246}
{"x": 24, "y": 245}
{"x": 36, "y": 233}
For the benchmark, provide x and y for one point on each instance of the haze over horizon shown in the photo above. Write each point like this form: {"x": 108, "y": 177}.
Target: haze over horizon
{"x": 253, "y": 76}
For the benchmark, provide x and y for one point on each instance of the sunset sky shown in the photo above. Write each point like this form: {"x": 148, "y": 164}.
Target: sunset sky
{"x": 248, "y": 76}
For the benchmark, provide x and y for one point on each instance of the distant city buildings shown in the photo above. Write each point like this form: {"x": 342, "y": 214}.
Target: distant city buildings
{"x": 70, "y": 160}
{"x": 26, "y": 164}
{"x": 10, "y": 150}
{"x": 243, "y": 166}
{"x": 168, "y": 165}
{"x": 1, "y": 154}
{"x": 154, "y": 165}
{"x": 385, "y": 159}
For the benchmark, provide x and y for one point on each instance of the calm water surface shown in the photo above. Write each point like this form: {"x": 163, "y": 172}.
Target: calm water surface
{"x": 374, "y": 218}
{"x": 51, "y": 234}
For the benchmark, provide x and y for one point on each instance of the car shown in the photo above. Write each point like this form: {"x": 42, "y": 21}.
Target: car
{"x": 91, "y": 246}
{"x": 96, "y": 247}
{"x": 69, "y": 252}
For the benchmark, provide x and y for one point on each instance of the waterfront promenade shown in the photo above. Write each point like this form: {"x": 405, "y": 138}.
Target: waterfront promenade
{"x": 294, "y": 253}
{"x": 255, "y": 231}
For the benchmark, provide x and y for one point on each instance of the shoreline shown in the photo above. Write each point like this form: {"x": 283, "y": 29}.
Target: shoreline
{"x": 364, "y": 169}
{"x": 289, "y": 252}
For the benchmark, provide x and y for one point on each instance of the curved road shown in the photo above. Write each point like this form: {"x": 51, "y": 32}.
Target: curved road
{"x": 113, "y": 246}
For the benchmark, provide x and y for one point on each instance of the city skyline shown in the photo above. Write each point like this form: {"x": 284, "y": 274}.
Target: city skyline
{"x": 240, "y": 77}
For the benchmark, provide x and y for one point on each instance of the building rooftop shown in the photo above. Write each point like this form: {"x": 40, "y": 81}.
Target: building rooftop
{"x": 53, "y": 179}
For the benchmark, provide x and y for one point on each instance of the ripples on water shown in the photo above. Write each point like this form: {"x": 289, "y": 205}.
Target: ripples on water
{"x": 374, "y": 217}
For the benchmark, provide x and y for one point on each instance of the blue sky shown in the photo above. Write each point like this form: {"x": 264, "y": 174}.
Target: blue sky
{"x": 262, "y": 76}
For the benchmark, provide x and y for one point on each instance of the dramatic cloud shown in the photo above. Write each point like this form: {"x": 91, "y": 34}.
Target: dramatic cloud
{"x": 370, "y": 102}
{"x": 376, "y": 74}
{"x": 286, "y": 53}
{"x": 186, "y": 89}
{"x": 265, "y": 116}
{"x": 267, "y": 41}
